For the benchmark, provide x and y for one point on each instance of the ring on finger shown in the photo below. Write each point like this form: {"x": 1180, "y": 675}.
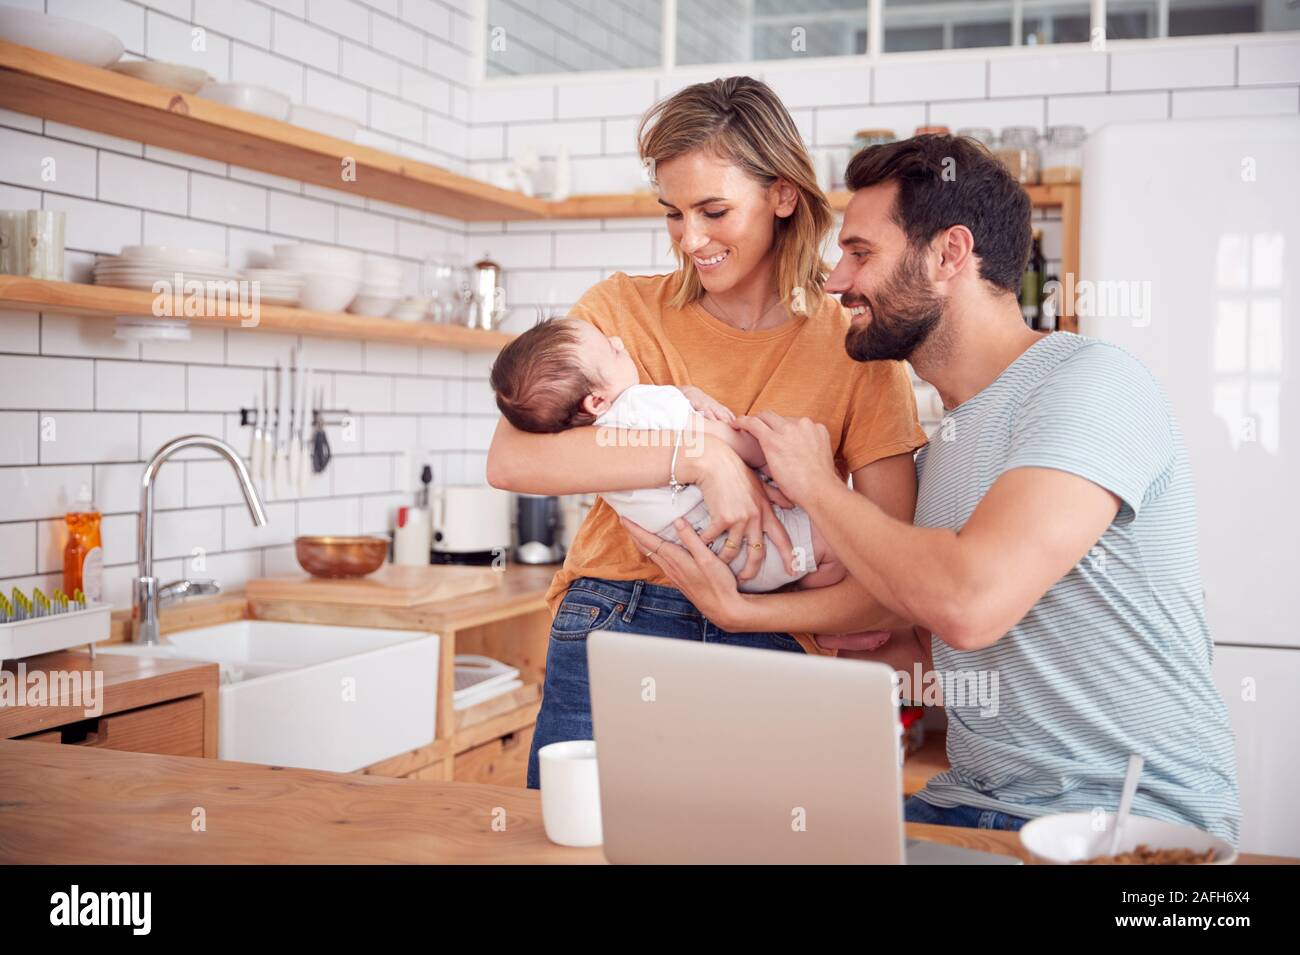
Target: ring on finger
{"x": 730, "y": 543}
{"x": 757, "y": 545}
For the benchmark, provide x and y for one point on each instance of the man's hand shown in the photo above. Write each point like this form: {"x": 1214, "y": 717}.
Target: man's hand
{"x": 706, "y": 405}
{"x": 798, "y": 451}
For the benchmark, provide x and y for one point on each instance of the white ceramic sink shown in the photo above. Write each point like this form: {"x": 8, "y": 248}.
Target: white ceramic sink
{"x": 313, "y": 696}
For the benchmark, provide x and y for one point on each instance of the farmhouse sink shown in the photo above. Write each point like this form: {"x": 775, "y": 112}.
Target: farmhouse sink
{"x": 313, "y": 696}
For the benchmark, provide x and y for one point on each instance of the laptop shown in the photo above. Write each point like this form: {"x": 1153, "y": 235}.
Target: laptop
{"x": 720, "y": 754}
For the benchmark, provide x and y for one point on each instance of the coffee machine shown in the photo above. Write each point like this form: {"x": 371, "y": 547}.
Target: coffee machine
{"x": 540, "y": 529}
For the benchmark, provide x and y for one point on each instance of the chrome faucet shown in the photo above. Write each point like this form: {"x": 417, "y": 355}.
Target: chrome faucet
{"x": 147, "y": 594}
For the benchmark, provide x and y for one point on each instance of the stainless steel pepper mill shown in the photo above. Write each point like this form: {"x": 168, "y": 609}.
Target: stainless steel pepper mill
{"x": 488, "y": 307}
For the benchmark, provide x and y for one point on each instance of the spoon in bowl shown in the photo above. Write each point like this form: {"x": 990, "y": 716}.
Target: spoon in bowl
{"x": 1135, "y": 764}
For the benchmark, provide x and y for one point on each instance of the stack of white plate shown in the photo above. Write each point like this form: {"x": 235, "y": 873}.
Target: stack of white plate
{"x": 381, "y": 287}
{"x": 331, "y": 276}
{"x": 276, "y": 286}
{"x": 140, "y": 266}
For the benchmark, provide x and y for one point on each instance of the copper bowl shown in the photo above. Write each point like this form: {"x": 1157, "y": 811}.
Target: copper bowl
{"x": 341, "y": 556}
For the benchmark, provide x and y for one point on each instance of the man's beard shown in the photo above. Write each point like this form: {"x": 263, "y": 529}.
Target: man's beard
{"x": 904, "y": 312}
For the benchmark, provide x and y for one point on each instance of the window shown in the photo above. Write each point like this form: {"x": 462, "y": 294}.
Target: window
{"x": 732, "y": 31}
{"x": 526, "y": 37}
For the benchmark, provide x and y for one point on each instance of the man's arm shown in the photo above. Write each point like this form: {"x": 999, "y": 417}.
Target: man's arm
{"x": 969, "y": 586}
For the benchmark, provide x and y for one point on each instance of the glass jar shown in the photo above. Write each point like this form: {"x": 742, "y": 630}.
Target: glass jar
{"x": 931, "y": 131}
{"x": 980, "y": 134}
{"x": 1018, "y": 151}
{"x": 1062, "y": 159}
{"x": 871, "y": 137}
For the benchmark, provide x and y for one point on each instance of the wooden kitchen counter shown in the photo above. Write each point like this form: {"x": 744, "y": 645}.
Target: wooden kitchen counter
{"x": 130, "y": 685}
{"x": 67, "y": 805}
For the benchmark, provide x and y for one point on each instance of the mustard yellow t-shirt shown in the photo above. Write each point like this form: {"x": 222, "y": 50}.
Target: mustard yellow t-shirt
{"x": 799, "y": 369}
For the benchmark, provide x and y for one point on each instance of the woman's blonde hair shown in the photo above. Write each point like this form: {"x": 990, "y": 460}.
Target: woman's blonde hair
{"x": 743, "y": 122}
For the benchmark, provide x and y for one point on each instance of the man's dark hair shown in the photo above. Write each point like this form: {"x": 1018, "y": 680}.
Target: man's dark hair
{"x": 977, "y": 192}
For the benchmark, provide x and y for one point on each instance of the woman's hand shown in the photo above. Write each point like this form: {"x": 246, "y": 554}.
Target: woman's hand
{"x": 798, "y": 451}
{"x": 738, "y": 506}
{"x": 696, "y": 571}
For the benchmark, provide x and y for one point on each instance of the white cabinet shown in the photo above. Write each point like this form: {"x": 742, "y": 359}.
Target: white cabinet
{"x": 1260, "y": 687}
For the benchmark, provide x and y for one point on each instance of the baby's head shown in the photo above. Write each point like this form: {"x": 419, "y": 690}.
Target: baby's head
{"x": 560, "y": 374}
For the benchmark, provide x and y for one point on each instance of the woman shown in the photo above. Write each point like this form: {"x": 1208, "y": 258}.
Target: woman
{"x": 744, "y": 318}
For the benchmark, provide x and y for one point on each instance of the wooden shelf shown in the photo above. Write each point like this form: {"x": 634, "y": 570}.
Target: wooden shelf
{"x": 41, "y": 84}
{"x": 70, "y": 298}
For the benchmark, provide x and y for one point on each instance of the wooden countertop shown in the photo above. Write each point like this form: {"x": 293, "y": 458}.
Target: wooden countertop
{"x": 66, "y": 805}
{"x": 522, "y": 590}
{"x": 128, "y": 682}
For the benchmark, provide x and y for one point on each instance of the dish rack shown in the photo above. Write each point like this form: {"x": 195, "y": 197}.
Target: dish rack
{"x": 72, "y": 628}
{"x": 481, "y": 678}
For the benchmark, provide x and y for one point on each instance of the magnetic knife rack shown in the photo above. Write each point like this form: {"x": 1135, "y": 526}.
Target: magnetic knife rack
{"x": 321, "y": 418}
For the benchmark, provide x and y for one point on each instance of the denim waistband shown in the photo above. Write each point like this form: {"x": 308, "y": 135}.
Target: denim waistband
{"x": 650, "y": 596}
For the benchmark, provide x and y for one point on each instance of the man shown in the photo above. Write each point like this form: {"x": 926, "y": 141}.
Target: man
{"x": 1054, "y": 545}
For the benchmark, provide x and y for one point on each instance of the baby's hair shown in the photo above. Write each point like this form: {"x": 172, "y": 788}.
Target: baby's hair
{"x": 539, "y": 382}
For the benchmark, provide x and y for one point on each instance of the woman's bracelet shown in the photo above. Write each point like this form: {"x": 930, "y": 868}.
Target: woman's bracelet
{"x": 673, "y": 483}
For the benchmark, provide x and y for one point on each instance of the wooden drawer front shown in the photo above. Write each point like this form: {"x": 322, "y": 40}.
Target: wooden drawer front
{"x": 167, "y": 729}
{"x": 502, "y": 762}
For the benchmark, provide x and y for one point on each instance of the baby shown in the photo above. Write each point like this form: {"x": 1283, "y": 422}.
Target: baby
{"x": 564, "y": 373}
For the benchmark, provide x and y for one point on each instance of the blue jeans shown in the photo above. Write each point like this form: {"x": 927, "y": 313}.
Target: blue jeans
{"x": 916, "y": 809}
{"x": 630, "y": 606}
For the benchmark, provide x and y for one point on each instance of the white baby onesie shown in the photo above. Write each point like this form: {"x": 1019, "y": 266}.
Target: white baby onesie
{"x": 664, "y": 408}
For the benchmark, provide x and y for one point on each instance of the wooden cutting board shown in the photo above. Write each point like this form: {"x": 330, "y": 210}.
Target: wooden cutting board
{"x": 392, "y": 585}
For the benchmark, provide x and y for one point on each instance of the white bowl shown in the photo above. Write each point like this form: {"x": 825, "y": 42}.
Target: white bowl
{"x": 187, "y": 79}
{"x": 245, "y": 96}
{"x": 308, "y": 257}
{"x": 1073, "y": 837}
{"x": 376, "y": 305}
{"x": 172, "y": 255}
{"x": 317, "y": 120}
{"x": 273, "y": 276}
{"x": 414, "y": 308}
{"x": 70, "y": 39}
{"x": 328, "y": 292}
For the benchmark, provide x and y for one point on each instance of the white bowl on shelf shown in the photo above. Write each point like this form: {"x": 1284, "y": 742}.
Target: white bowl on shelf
{"x": 368, "y": 303}
{"x": 308, "y": 257}
{"x": 319, "y": 121}
{"x": 413, "y": 308}
{"x": 70, "y": 39}
{"x": 174, "y": 76}
{"x": 246, "y": 96}
{"x": 1066, "y": 838}
{"x": 328, "y": 292}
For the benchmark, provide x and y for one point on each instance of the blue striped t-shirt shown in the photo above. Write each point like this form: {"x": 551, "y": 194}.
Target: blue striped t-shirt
{"x": 1115, "y": 658}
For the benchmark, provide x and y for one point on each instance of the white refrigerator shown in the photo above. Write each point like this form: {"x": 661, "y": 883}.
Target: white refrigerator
{"x": 1190, "y": 259}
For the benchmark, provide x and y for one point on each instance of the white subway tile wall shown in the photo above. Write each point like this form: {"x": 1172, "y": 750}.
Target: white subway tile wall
{"x": 79, "y": 407}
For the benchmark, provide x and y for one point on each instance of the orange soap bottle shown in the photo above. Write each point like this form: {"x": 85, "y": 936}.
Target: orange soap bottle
{"x": 83, "y": 556}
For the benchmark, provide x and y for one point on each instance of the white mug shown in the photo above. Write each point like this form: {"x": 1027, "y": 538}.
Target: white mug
{"x": 570, "y": 793}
